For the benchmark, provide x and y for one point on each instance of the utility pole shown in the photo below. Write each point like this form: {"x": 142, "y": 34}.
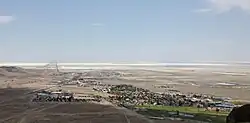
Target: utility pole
{"x": 57, "y": 69}
{"x": 51, "y": 65}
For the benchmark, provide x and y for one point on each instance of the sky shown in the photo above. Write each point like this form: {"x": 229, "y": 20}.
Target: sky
{"x": 124, "y": 30}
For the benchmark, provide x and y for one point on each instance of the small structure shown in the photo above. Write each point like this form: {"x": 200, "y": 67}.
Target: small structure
{"x": 58, "y": 96}
{"x": 225, "y": 106}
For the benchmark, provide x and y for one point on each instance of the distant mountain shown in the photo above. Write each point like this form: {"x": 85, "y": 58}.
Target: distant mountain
{"x": 13, "y": 69}
{"x": 7, "y": 71}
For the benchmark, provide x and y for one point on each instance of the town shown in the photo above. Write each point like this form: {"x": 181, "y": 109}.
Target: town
{"x": 140, "y": 100}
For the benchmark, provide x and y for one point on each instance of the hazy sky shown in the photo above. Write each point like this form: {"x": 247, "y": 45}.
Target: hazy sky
{"x": 124, "y": 30}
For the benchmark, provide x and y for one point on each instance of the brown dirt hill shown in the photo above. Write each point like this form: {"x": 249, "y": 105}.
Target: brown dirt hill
{"x": 11, "y": 71}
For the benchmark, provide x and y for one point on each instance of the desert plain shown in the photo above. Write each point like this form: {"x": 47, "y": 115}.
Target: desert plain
{"x": 18, "y": 85}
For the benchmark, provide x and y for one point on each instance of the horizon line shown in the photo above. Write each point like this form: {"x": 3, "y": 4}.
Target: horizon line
{"x": 124, "y": 64}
